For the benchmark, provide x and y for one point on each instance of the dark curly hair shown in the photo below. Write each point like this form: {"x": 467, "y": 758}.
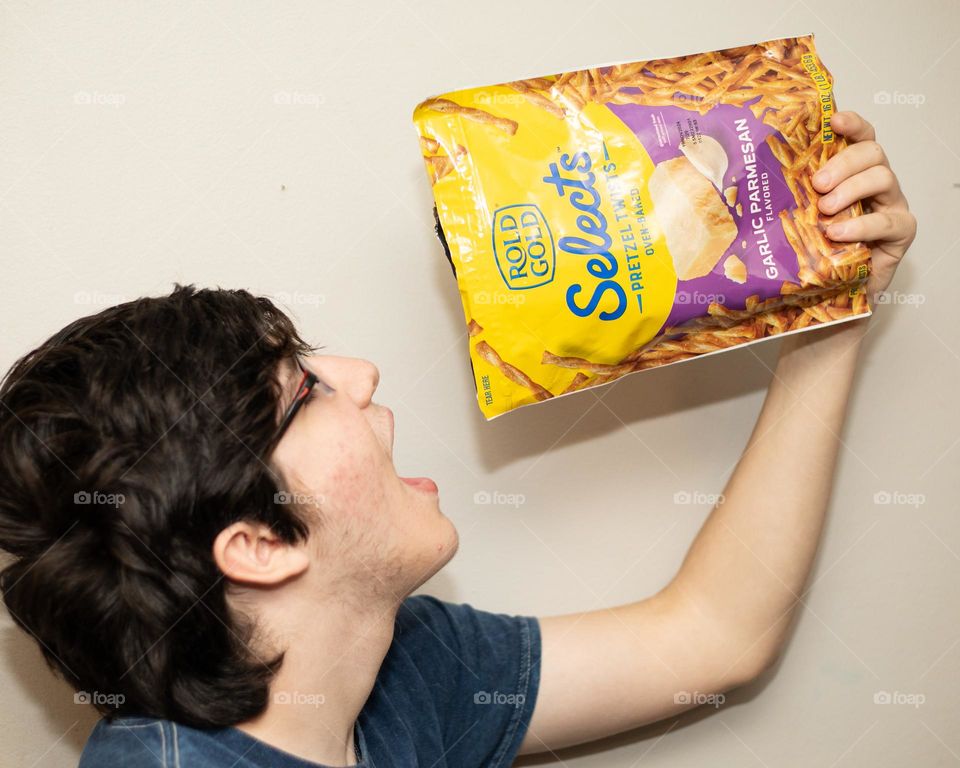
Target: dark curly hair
{"x": 128, "y": 441}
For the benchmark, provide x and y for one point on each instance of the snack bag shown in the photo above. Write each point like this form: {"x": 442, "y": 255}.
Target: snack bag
{"x": 624, "y": 217}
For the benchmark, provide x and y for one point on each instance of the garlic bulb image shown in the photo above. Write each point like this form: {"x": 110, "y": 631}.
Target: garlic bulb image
{"x": 709, "y": 158}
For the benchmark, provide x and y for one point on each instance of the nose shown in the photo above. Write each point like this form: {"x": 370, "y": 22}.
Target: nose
{"x": 368, "y": 379}
{"x": 355, "y": 377}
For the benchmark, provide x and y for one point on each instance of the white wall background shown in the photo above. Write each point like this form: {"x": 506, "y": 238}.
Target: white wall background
{"x": 185, "y": 168}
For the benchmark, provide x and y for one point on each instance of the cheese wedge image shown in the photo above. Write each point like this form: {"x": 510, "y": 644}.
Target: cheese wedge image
{"x": 734, "y": 269}
{"x": 696, "y": 223}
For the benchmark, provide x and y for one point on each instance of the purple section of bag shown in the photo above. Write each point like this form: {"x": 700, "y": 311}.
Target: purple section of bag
{"x": 661, "y": 131}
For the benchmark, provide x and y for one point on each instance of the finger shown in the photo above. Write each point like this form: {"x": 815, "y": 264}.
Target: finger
{"x": 848, "y": 161}
{"x": 893, "y": 228}
{"x": 878, "y": 182}
{"x": 853, "y": 127}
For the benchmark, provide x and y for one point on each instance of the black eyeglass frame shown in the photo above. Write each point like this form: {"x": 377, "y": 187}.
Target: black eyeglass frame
{"x": 308, "y": 381}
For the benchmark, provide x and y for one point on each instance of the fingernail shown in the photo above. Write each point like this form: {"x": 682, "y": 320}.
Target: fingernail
{"x": 836, "y": 230}
{"x": 822, "y": 178}
{"x": 830, "y": 200}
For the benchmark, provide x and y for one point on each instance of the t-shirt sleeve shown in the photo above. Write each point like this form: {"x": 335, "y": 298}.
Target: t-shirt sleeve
{"x": 483, "y": 670}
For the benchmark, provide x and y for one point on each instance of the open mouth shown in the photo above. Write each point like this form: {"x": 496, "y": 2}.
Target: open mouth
{"x": 424, "y": 484}
{"x": 386, "y": 433}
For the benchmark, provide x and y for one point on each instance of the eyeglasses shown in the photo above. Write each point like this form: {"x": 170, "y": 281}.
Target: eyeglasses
{"x": 308, "y": 381}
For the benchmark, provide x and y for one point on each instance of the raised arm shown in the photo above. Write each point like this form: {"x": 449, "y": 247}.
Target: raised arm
{"x": 723, "y": 618}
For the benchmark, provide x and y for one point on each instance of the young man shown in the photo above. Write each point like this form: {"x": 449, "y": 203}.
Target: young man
{"x": 209, "y": 538}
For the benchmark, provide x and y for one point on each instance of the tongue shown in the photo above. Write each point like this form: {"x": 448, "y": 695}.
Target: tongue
{"x": 423, "y": 483}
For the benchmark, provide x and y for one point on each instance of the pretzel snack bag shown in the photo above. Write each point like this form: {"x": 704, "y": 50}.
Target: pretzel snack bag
{"x": 623, "y": 217}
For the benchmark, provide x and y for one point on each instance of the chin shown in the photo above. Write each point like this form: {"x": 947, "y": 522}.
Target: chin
{"x": 454, "y": 541}
{"x": 445, "y": 546}
{"x": 446, "y": 543}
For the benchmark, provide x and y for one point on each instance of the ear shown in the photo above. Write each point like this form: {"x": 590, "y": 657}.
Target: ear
{"x": 251, "y": 553}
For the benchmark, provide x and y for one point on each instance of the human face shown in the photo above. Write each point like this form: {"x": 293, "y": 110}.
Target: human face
{"x": 373, "y": 529}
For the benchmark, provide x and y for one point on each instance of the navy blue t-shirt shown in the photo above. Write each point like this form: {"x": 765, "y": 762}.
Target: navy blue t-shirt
{"x": 456, "y": 689}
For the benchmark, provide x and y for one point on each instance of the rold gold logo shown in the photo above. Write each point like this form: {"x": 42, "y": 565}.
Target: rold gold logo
{"x": 523, "y": 247}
